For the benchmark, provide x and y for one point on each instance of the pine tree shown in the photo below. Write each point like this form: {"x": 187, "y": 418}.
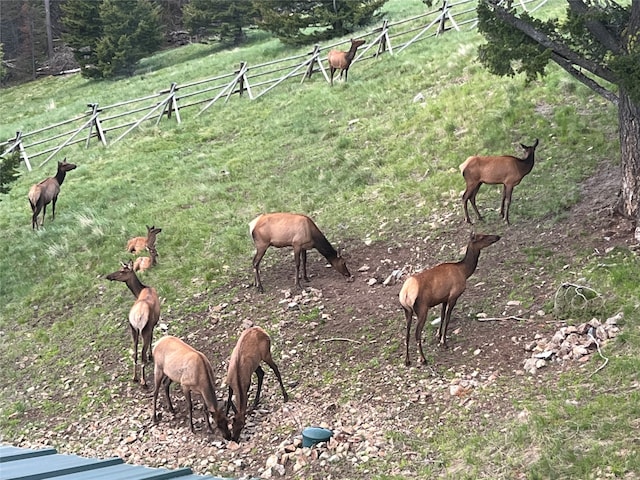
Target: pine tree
{"x": 224, "y": 19}
{"x": 597, "y": 44}
{"x": 82, "y": 33}
{"x": 304, "y": 22}
{"x": 131, "y": 30}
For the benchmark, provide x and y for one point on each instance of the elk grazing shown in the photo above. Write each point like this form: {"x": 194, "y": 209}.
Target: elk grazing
{"x": 253, "y": 347}
{"x": 506, "y": 170}
{"x": 442, "y": 284}
{"x": 138, "y": 244}
{"x": 292, "y": 230}
{"x": 144, "y": 263}
{"x": 175, "y": 361}
{"x": 143, "y": 316}
{"x": 47, "y": 192}
{"x": 342, "y": 60}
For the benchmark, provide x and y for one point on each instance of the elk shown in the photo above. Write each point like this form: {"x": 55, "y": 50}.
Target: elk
{"x": 47, "y": 192}
{"x": 292, "y": 230}
{"x": 176, "y": 361}
{"x": 143, "y": 316}
{"x": 506, "y": 170}
{"x": 342, "y": 60}
{"x": 253, "y": 347}
{"x": 144, "y": 263}
{"x": 138, "y": 244}
{"x": 442, "y": 284}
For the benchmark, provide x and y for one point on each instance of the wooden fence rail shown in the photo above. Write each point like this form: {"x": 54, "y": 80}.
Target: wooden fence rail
{"x": 254, "y": 80}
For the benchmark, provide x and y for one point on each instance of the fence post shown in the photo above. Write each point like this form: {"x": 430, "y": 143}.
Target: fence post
{"x": 241, "y": 88}
{"x": 17, "y": 142}
{"x": 170, "y": 105}
{"x": 95, "y": 121}
{"x": 383, "y": 40}
{"x": 314, "y": 56}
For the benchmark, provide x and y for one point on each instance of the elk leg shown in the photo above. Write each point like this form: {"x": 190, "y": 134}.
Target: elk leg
{"x": 465, "y": 200}
{"x": 296, "y": 256}
{"x": 44, "y": 212}
{"x": 472, "y": 197}
{"x": 166, "y": 383}
{"x": 450, "y": 305}
{"x": 422, "y": 318}
{"x": 506, "y": 203}
{"x": 442, "y": 320}
{"x": 134, "y": 334}
{"x": 187, "y": 395}
{"x": 206, "y": 417}
{"x": 303, "y": 254}
{"x": 53, "y": 208}
{"x": 275, "y": 369}
{"x": 230, "y": 403}
{"x": 257, "y": 258}
{"x": 260, "y": 374}
{"x": 408, "y": 314}
{"x": 332, "y": 70}
{"x": 34, "y": 217}
{"x": 156, "y": 388}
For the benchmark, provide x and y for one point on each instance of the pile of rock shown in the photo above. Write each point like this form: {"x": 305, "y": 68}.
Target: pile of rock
{"x": 572, "y": 342}
{"x": 354, "y": 445}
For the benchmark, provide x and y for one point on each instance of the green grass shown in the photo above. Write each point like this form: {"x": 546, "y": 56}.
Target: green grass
{"x": 300, "y": 149}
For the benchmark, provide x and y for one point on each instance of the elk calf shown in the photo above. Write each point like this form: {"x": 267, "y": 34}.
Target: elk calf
{"x": 342, "y": 60}
{"x": 253, "y": 347}
{"x": 144, "y": 263}
{"x": 138, "y": 244}
{"x": 143, "y": 316}
{"x": 442, "y": 284}
{"x": 292, "y": 230}
{"x": 46, "y": 192}
{"x": 176, "y": 361}
{"x": 505, "y": 170}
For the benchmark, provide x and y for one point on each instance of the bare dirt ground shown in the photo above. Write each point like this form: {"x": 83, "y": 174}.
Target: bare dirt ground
{"x": 340, "y": 348}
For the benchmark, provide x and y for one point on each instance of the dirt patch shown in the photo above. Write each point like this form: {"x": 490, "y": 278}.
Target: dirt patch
{"x": 340, "y": 348}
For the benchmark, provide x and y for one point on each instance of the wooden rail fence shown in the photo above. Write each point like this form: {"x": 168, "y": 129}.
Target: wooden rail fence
{"x": 110, "y": 124}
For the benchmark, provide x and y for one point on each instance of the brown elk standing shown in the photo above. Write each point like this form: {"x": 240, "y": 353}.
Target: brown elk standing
{"x": 342, "y": 60}
{"x": 442, "y": 284}
{"x": 253, "y": 347}
{"x": 144, "y": 263}
{"x": 143, "y": 316}
{"x": 138, "y": 244}
{"x": 176, "y": 361}
{"x": 47, "y": 191}
{"x": 292, "y": 230}
{"x": 506, "y": 170}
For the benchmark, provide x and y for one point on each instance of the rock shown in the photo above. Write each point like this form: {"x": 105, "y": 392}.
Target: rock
{"x": 271, "y": 461}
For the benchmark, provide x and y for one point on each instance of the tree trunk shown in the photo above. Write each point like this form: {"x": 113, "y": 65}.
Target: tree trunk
{"x": 47, "y": 22}
{"x": 629, "y": 120}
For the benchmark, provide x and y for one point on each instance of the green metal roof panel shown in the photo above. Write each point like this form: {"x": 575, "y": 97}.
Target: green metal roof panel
{"x": 50, "y": 466}
{"x": 9, "y": 453}
{"x": 26, "y": 464}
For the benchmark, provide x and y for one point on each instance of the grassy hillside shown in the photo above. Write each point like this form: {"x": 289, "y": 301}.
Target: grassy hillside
{"x": 365, "y": 159}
